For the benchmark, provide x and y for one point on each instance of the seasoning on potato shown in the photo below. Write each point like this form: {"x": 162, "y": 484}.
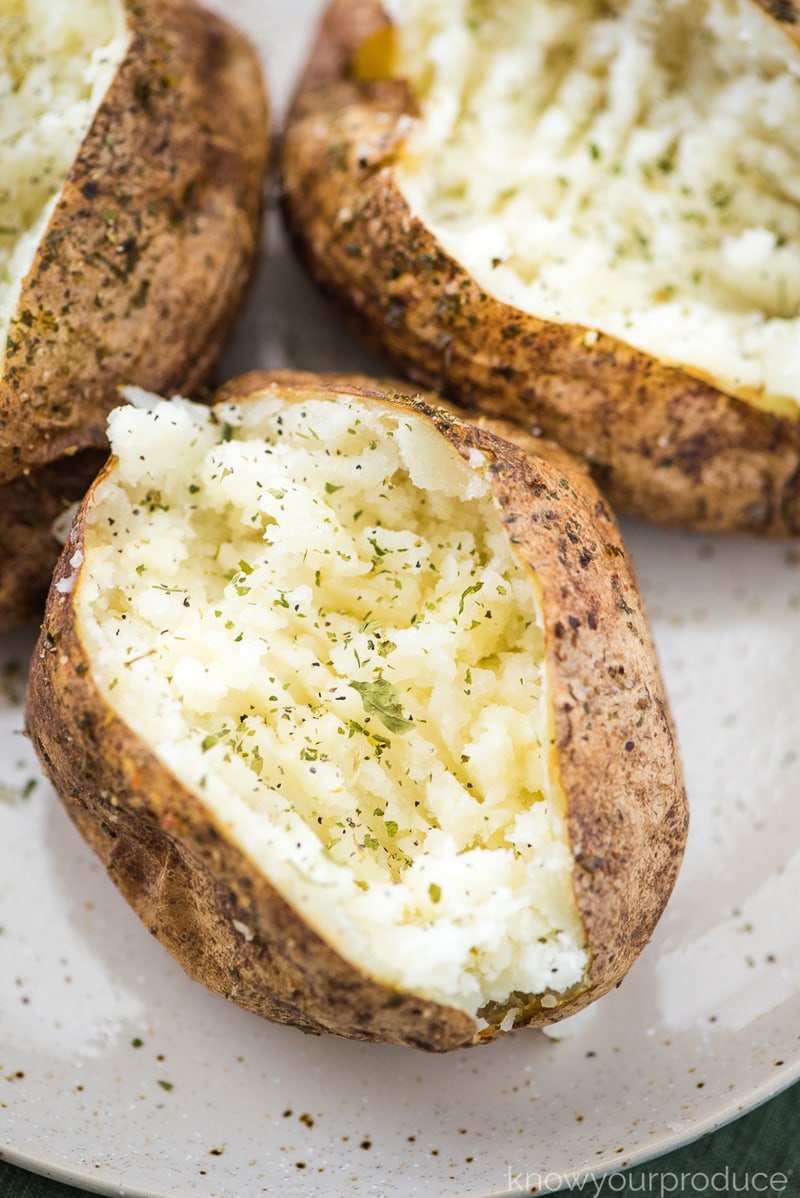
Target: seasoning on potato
{"x": 133, "y": 141}
{"x": 359, "y": 706}
{"x": 581, "y": 215}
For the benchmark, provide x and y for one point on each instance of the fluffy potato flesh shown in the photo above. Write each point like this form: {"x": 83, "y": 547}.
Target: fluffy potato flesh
{"x": 312, "y": 614}
{"x": 57, "y": 61}
{"x": 631, "y": 167}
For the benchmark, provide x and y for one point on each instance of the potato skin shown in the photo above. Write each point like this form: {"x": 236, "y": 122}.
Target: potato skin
{"x": 141, "y": 269}
{"x": 616, "y": 750}
{"x": 786, "y": 13}
{"x": 28, "y": 549}
{"x": 664, "y": 444}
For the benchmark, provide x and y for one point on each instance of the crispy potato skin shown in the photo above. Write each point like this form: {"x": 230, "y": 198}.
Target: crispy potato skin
{"x": 663, "y": 444}
{"x": 151, "y": 245}
{"x": 786, "y": 13}
{"x": 618, "y": 762}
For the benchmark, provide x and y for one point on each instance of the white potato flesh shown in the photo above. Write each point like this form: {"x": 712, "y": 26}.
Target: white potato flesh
{"x": 311, "y": 612}
{"x": 57, "y": 61}
{"x": 629, "y": 166}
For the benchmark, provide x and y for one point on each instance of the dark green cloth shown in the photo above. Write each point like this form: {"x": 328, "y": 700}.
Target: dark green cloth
{"x": 757, "y": 1151}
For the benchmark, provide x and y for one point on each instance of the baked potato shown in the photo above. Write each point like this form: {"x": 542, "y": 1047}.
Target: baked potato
{"x": 578, "y": 215}
{"x": 358, "y": 704}
{"x": 133, "y": 140}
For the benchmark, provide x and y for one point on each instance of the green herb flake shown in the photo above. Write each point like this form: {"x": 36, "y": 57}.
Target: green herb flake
{"x": 473, "y": 590}
{"x": 381, "y": 699}
{"x": 391, "y": 828}
{"x": 331, "y": 488}
{"x": 165, "y": 1085}
{"x": 720, "y": 195}
{"x": 434, "y": 892}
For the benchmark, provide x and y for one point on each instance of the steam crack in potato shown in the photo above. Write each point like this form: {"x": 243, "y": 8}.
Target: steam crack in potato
{"x": 629, "y": 167}
{"x": 57, "y": 61}
{"x": 317, "y": 622}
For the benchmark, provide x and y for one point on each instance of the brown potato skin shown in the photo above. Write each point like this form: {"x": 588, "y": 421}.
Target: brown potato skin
{"x": 786, "y": 13}
{"x": 664, "y": 444}
{"x": 616, "y": 750}
{"x": 28, "y": 548}
{"x": 142, "y": 267}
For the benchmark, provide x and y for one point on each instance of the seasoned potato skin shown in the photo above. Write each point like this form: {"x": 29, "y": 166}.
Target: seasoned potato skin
{"x": 664, "y": 444}
{"x": 616, "y": 752}
{"x": 140, "y": 271}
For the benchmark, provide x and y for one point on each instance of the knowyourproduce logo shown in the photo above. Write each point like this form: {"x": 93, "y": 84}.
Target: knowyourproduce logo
{"x": 653, "y": 1183}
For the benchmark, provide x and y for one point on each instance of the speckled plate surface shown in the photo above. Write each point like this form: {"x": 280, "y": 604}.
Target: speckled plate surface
{"x": 121, "y": 1075}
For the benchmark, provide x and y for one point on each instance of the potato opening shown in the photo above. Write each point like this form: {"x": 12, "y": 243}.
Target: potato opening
{"x": 628, "y": 166}
{"x": 312, "y": 614}
{"x": 57, "y": 61}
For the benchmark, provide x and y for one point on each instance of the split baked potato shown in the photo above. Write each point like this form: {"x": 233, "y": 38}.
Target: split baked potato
{"x": 358, "y": 704}
{"x": 579, "y": 215}
{"x": 133, "y": 141}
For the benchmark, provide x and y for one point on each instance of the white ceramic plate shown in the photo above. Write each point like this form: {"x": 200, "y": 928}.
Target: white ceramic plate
{"x": 119, "y": 1074}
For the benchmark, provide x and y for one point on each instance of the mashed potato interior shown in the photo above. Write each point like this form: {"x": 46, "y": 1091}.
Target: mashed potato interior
{"x": 631, "y": 166}
{"x": 57, "y": 61}
{"x": 312, "y": 613}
